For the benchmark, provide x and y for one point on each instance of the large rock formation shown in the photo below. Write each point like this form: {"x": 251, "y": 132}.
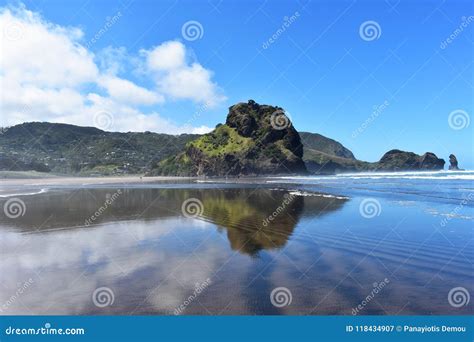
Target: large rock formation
{"x": 255, "y": 140}
{"x": 396, "y": 160}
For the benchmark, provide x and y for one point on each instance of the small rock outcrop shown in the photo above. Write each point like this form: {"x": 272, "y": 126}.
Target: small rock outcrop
{"x": 453, "y": 163}
{"x": 396, "y": 160}
{"x": 429, "y": 161}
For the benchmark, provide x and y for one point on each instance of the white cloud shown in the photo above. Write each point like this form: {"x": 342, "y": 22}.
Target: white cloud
{"x": 127, "y": 118}
{"x": 167, "y": 56}
{"x": 114, "y": 60}
{"x": 128, "y": 92}
{"x": 201, "y": 130}
{"x": 42, "y": 53}
{"x": 179, "y": 79}
{"x": 47, "y": 75}
{"x": 58, "y": 255}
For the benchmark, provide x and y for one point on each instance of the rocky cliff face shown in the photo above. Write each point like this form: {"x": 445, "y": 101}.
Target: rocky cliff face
{"x": 255, "y": 140}
{"x": 396, "y": 160}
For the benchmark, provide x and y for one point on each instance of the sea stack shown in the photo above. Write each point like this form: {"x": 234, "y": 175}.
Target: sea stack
{"x": 453, "y": 161}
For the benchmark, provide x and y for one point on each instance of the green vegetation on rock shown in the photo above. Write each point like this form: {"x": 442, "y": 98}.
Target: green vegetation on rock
{"x": 247, "y": 144}
{"x": 223, "y": 140}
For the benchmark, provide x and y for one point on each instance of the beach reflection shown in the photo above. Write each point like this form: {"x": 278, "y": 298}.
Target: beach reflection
{"x": 141, "y": 246}
{"x": 151, "y": 256}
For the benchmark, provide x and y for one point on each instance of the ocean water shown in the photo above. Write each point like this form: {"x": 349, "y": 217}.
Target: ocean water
{"x": 367, "y": 244}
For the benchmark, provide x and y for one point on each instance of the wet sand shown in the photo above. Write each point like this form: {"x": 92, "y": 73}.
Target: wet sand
{"x": 147, "y": 248}
{"x": 59, "y": 180}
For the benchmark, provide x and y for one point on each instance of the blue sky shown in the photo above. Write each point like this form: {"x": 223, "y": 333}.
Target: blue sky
{"x": 321, "y": 69}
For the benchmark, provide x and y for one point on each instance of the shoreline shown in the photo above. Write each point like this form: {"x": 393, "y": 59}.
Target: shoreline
{"x": 37, "y": 178}
{"x": 70, "y": 180}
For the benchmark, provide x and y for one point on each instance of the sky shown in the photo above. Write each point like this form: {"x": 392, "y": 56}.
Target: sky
{"x": 373, "y": 75}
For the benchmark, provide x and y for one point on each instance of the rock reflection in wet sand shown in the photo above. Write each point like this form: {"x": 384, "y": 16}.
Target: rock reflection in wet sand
{"x": 149, "y": 255}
